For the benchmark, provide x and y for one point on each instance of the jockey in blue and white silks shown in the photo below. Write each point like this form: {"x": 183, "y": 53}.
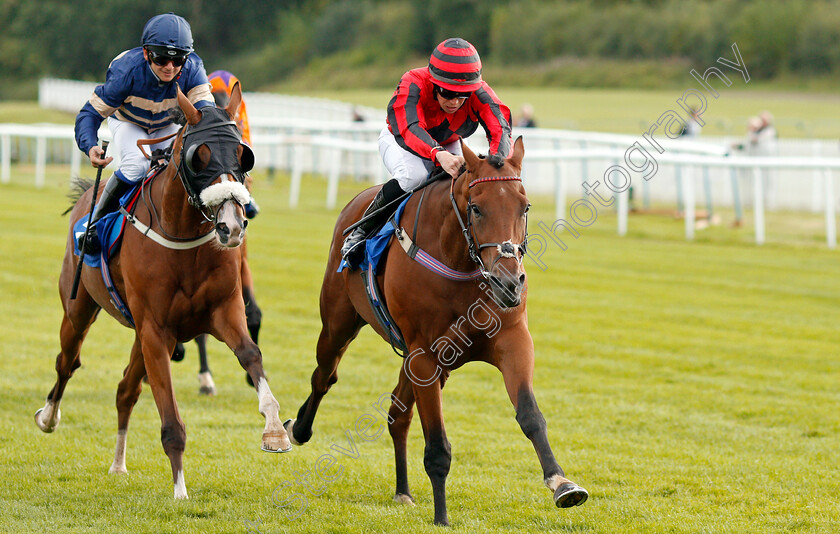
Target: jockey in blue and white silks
{"x": 139, "y": 90}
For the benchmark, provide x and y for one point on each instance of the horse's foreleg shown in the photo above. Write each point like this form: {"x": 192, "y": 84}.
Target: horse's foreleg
{"x": 156, "y": 348}
{"x": 73, "y": 332}
{"x": 127, "y": 394}
{"x": 340, "y": 325}
{"x": 400, "y": 416}
{"x": 230, "y": 329}
{"x": 437, "y": 456}
{"x": 518, "y": 374}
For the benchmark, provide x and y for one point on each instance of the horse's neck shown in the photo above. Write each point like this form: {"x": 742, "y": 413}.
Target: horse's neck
{"x": 452, "y": 246}
{"x": 177, "y": 217}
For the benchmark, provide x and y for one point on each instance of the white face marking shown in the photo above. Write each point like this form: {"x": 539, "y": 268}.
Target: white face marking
{"x": 229, "y": 216}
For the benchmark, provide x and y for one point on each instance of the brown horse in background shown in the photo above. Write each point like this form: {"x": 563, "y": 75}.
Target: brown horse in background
{"x": 173, "y": 294}
{"x": 445, "y": 323}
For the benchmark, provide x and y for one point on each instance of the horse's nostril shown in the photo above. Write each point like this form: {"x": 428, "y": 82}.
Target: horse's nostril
{"x": 245, "y": 224}
{"x": 522, "y": 279}
{"x": 222, "y": 229}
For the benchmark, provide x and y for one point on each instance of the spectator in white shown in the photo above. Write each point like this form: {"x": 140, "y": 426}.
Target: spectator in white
{"x": 763, "y": 137}
{"x": 692, "y": 125}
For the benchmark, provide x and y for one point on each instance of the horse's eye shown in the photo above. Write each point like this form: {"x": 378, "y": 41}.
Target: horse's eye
{"x": 475, "y": 211}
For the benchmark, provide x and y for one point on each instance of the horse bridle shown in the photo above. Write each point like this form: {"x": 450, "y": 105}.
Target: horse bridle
{"x": 185, "y": 167}
{"x": 506, "y": 249}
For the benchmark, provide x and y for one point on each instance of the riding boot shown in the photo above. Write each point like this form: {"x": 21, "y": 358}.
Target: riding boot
{"x": 391, "y": 191}
{"x": 109, "y": 201}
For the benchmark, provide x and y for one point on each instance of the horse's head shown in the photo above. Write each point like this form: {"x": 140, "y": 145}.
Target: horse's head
{"x": 493, "y": 198}
{"x": 213, "y": 162}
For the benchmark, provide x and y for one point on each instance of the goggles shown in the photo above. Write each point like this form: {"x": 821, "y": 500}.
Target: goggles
{"x": 161, "y": 60}
{"x": 451, "y": 95}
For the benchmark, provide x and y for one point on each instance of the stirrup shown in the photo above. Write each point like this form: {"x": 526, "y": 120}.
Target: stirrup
{"x": 351, "y": 251}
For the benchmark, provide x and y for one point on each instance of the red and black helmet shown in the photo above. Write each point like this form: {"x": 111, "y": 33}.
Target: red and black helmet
{"x": 455, "y": 65}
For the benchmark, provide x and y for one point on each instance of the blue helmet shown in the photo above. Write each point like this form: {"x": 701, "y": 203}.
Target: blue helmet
{"x": 169, "y": 32}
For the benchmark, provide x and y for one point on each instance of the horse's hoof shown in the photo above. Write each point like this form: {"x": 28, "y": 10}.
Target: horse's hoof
{"x": 402, "y": 498}
{"x": 570, "y": 494}
{"x": 276, "y": 442}
{"x": 44, "y": 427}
{"x": 289, "y": 425}
{"x": 117, "y": 470}
{"x": 206, "y": 385}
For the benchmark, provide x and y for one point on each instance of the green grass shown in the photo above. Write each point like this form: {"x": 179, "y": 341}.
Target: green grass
{"x": 689, "y": 386}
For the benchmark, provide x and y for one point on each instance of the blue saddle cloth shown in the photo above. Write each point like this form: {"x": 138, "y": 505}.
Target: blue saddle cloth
{"x": 109, "y": 229}
{"x": 377, "y": 244}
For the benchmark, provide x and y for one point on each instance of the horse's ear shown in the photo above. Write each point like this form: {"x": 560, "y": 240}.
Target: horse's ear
{"x": 518, "y": 152}
{"x": 235, "y": 100}
{"x": 469, "y": 156}
{"x": 192, "y": 114}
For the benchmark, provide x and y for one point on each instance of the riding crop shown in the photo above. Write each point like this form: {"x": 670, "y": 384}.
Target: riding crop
{"x": 87, "y": 228}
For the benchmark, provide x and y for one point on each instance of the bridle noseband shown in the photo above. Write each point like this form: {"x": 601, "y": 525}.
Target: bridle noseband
{"x": 506, "y": 249}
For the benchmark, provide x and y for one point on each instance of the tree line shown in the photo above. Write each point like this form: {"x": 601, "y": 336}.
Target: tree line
{"x": 267, "y": 42}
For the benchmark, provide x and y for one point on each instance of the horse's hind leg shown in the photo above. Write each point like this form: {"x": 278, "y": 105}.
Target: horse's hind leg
{"x": 206, "y": 385}
{"x": 127, "y": 394}
{"x": 340, "y": 325}
{"x": 156, "y": 348}
{"x": 72, "y": 334}
{"x": 399, "y": 419}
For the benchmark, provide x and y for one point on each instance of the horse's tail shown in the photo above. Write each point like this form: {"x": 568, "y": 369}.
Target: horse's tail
{"x": 78, "y": 186}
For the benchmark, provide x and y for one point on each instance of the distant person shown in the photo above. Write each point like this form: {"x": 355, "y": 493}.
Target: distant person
{"x": 433, "y": 108}
{"x": 221, "y": 84}
{"x": 692, "y": 125}
{"x": 764, "y": 136}
{"x": 526, "y": 117}
{"x": 748, "y": 144}
{"x": 139, "y": 88}
{"x": 357, "y": 116}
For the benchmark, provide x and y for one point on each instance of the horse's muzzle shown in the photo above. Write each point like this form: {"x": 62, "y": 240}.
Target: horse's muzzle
{"x": 507, "y": 289}
{"x": 230, "y": 236}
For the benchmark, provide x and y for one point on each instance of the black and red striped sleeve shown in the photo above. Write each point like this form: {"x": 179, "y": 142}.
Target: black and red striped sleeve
{"x": 495, "y": 118}
{"x": 406, "y": 118}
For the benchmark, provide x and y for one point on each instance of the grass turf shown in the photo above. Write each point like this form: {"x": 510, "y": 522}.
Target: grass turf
{"x": 689, "y": 386}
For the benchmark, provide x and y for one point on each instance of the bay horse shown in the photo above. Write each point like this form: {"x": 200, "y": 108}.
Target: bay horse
{"x": 172, "y": 294}
{"x": 445, "y": 322}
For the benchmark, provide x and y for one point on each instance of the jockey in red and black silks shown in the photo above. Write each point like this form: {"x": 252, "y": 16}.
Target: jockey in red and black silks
{"x": 420, "y": 125}
{"x": 431, "y": 110}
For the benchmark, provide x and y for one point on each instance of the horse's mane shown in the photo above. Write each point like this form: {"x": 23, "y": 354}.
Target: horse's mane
{"x": 495, "y": 160}
{"x": 78, "y": 186}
